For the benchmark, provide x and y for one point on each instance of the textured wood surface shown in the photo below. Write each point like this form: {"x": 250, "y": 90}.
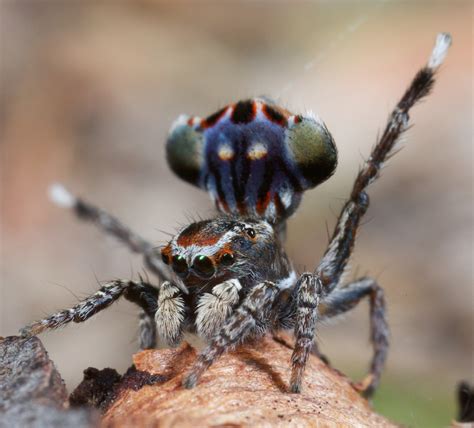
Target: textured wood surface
{"x": 32, "y": 392}
{"x": 247, "y": 387}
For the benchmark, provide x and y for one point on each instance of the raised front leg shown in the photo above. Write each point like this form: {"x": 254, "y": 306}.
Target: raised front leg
{"x": 247, "y": 318}
{"x": 337, "y": 255}
{"x": 112, "y": 226}
{"x": 138, "y": 292}
{"x": 346, "y": 298}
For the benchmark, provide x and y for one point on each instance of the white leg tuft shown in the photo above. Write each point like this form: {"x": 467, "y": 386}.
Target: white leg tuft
{"x": 443, "y": 42}
{"x": 60, "y": 196}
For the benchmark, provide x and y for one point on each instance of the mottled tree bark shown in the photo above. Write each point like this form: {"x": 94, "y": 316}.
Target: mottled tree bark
{"x": 247, "y": 387}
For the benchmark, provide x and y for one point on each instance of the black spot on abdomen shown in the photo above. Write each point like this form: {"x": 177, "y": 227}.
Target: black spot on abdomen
{"x": 244, "y": 112}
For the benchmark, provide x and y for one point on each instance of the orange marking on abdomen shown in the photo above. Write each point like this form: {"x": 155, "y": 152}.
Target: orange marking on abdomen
{"x": 262, "y": 203}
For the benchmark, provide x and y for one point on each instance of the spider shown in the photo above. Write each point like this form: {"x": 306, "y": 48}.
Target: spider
{"x": 228, "y": 278}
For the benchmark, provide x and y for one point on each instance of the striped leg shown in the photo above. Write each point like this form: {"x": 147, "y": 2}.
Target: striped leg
{"x": 308, "y": 290}
{"x": 141, "y": 293}
{"x": 346, "y": 298}
{"x": 112, "y": 226}
{"x": 247, "y": 318}
{"x": 334, "y": 261}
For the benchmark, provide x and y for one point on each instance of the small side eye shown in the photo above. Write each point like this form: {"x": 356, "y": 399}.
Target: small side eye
{"x": 250, "y": 232}
{"x": 227, "y": 259}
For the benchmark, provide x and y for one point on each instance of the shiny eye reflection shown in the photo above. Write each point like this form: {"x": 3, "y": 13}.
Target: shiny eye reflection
{"x": 203, "y": 266}
{"x": 180, "y": 266}
{"x": 250, "y": 232}
{"x": 227, "y": 259}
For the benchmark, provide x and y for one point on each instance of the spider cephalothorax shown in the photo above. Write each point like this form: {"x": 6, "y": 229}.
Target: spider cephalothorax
{"x": 228, "y": 278}
{"x": 209, "y": 252}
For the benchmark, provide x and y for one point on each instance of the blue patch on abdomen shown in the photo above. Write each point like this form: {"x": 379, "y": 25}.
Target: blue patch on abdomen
{"x": 245, "y": 179}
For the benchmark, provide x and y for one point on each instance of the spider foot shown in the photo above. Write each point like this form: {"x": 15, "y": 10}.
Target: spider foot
{"x": 295, "y": 388}
{"x": 199, "y": 367}
{"x": 296, "y": 379}
{"x": 190, "y": 381}
{"x": 366, "y": 386}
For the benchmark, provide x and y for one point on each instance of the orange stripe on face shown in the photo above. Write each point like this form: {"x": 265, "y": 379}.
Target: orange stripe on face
{"x": 196, "y": 236}
{"x": 166, "y": 254}
{"x": 226, "y": 251}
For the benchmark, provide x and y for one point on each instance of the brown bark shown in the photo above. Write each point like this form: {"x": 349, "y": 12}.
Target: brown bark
{"x": 247, "y": 387}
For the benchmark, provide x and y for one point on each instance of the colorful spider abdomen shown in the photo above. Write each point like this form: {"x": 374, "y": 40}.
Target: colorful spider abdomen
{"x": 253, "y": 157}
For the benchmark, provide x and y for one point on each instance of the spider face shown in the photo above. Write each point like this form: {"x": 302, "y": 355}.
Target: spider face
{"x": 212, "y": 251}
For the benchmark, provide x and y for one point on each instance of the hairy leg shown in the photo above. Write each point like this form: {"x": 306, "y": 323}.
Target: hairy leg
{"x": 343, "y": 300}
{"x": 138, "y": 292}
{"x": 146, "y": 331}
{"x": 214, "y": 308}
{"x": 247, "y": 318}
{"x": 308, "y": 290}
{"x": 334, "y": 261}
{"x": 112, "y": 226}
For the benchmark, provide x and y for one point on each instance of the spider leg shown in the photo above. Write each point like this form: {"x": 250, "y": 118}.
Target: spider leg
{"x": 247, "y": 318}
{"x": 335, "y": 259}
{"x": 146, "y": 331}
{"x": 112, "y": 226}
{"x": 346, "y": 298}
{"x": 143, "y": 294}
{"x": 308, "y": 289}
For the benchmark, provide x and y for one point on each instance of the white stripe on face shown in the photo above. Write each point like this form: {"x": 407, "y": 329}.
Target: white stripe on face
{"x": 191, "y": 251}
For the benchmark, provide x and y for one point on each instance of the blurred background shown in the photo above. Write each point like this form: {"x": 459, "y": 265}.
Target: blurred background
{"x": 88, "y": 93}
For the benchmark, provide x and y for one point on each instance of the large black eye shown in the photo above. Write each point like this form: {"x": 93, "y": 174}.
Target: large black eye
{"x": 227, "y": 259}
{"x": 180, "y": 266}
{"x": 250, "y": 232}
{"x": 203, "y": 266}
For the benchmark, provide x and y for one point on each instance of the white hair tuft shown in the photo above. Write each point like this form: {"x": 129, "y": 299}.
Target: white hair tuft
{"x": 60, "y": 196}
{"x": 443, "y": 42}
